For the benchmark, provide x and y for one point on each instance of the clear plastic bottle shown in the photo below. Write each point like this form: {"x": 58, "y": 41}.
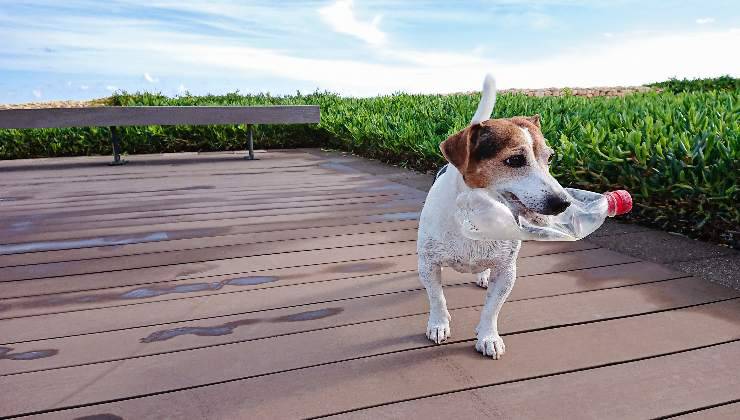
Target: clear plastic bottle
{"x": 484, "y": 215}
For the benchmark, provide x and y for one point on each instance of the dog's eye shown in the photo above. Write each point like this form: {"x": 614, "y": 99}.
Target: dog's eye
{"x": 516, "y": 161}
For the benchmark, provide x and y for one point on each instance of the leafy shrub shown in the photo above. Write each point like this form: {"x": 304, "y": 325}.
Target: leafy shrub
{"x": 677, "y": 153}
{"x": 674, "y": 85}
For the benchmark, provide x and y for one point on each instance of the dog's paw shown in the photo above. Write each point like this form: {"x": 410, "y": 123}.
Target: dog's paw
{"x": 481, "y": 279}
{"x": 438, "y": 329}
{"x": 491, "y": 345}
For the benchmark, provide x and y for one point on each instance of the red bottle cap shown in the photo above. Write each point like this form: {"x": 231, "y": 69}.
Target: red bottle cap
{"x": 620, "y": 202}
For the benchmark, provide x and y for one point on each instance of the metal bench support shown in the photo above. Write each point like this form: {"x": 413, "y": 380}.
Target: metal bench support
{"x": 250, "y": 144}
{"x": 116, "y": 142}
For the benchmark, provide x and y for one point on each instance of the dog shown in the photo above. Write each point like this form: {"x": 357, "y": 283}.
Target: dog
{"x": 509, "y": 156}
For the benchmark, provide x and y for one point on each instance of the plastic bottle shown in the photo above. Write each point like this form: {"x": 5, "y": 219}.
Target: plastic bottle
{"x": 484, "y": 215}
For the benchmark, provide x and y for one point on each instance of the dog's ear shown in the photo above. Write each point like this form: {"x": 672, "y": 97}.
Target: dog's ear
{"x": 456, "y": 149}
{"x": 534, "y": 119}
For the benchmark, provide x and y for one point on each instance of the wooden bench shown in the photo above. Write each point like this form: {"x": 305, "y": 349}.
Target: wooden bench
{"x": 114, "y": 116}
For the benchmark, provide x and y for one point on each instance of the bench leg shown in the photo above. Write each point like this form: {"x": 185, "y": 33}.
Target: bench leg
{"x": 250, "y": 144}
{"x": 116, "y": 141}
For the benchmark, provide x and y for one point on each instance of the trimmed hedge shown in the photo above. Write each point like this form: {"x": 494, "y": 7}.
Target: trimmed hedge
{"x": 674, "y": 85}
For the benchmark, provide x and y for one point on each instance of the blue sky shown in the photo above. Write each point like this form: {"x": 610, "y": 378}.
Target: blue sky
{"x": 79, "y": 49}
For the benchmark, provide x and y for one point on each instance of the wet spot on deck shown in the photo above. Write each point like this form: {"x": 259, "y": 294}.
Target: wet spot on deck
{"x": 81, "y": 243}
{"x": 103, "y": 416}
{"x": 216, "y": 330}
{"x": 138, "y": 293}
{"x": 5, "y": 353}
{"x": 359, "y": 267}
{"x": 228, "y": 328}
{"x": 250, "y": 280}
{"x": 148, "y": 292}
{"x": 309, "y": 315}
{"x": 16, "y": 198}
{"x": 197, "y": 187}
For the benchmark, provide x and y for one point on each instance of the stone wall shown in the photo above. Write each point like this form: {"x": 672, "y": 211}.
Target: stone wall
{"x": 587, "y": 92}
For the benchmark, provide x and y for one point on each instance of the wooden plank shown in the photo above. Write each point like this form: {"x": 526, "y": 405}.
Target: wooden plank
{"x": 210, "y": 256}
{"x": 327, "y": 388}
{"x": 180, "y": 336}
{"x": 233, "y": 269}
{"x": 167, "y": 164}
{"x": 237, "y": 268}
{"x": 80, "y": 185}
{"x": 255, "y": 211}
{"x": 255, "y": 174}
{"x": 216, "y": 210}
{"x": 215, "y": 180}
{"x": 406, "y": 210}
{"x": 131, "y": 240}
{"x": 133, "y": 315}
{"x": 73, "y": 301}
{"x": 276, "y": 183}
{"x": 76, "y": 265}
{"x": 190, "y": 197}
{"x": 258, "y": 177}
{"x": 722, "y": 412}
{"x": 154, "y": 160}
{"x": 192, "y": 202}
{"x": 106, "y": 116}
{"x": 89, "y": 252}
{"x": 649, "y": 388}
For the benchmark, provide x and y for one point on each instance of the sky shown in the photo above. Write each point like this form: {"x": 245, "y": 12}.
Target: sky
{"x": 82, "y": 49}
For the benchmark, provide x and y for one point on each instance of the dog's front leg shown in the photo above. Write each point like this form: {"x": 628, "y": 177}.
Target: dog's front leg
{"x": 489, "y": 341}
{"x": 438, "y": 327}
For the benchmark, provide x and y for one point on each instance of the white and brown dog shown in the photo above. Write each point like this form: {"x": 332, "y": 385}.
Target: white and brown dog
{"x": 508, "y": 156}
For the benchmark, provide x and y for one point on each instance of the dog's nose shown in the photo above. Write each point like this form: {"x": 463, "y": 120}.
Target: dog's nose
{"x": 556, "y": 205}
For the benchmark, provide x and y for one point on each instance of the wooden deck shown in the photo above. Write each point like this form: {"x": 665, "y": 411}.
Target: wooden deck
{"x": 204, "y": 286}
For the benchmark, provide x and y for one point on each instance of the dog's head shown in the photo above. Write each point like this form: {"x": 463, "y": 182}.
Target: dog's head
{"x": 508, "y": 156}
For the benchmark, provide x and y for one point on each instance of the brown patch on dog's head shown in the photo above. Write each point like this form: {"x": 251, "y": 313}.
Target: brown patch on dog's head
{"x": 534, "y": 120}
{"x": 539, "y": 145}
{"x": 479, "y": 150}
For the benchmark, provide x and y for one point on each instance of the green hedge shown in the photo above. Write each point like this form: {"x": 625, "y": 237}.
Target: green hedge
{"x": 674, "y": 85}
{"x": 676, "y": 152}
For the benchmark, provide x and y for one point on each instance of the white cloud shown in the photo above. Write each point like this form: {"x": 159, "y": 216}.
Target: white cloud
{"x": 624, "y": 61}
{"x": 608, "y": 35}
{"x": 69, "y": 84}
{"x": 182, "y": 89}
{"x": 704, "y": 21}
{"x": 84, "y": 87}
{"x": 148, "y": 77}
{"x": 37, "y": 93}
{"x": 626, "y": 58}
{"x": 111, "y": 88}
{"x": 341, "y": 18}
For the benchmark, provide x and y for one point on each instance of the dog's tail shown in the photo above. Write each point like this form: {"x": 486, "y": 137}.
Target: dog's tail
{"x": 487, "y": 101}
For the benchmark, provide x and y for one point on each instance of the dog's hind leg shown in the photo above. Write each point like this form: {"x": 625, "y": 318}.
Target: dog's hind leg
{"x": 481, "y": 279}
{"x": 489, "y": 341}
{"x": 438, "y": 327}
